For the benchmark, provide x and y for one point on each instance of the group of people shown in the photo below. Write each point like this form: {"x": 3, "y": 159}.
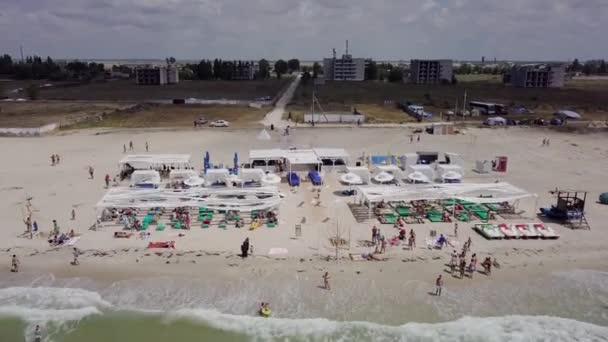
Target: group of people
{"x": 181, "y": 215}
{"x": 545, "y": 142}
{"x": 55, "y": 159}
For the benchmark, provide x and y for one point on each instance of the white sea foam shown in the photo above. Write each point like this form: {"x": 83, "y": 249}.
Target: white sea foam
{"x": 505, "y": 328}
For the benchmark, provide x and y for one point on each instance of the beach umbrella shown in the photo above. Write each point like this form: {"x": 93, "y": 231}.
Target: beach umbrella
{"x": 351, "y": 179}
{"x": 236, "y": 162}
{"x": 384, "y": 177}
{"x": 207, "y": 161}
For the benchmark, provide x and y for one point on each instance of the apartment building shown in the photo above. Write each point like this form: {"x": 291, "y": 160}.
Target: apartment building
{"x": 156, "y": 75}
{"x": 346, "y": 68}
{"x": 537, "y": 75}
{"x": 424, "y": 71}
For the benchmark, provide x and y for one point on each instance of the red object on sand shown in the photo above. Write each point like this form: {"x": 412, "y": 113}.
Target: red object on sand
{"x": 162, "y": 244}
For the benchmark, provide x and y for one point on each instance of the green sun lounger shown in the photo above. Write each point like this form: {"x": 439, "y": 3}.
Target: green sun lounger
{"x": 403, "y": 211}
{"x": 222, "y": 226}
{"x": 463, "y": 217}
{"x": 204, "y": 226}
{"x": 160, "y": 227}
{"x": 449, "y": 202}
{"x": 482, "y": 214}
{"x": 177, "y": 225}
{"x": 144, "y": 225}
{"x": 390, "y": 218}
{"x": 271, "y": 225}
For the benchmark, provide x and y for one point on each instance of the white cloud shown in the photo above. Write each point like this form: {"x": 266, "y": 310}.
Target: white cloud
{"x": 308, "y": 29}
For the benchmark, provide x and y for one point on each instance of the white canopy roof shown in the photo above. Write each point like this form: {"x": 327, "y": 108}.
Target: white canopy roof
{"x": 302, "y": 157}
{"x": 500, "y": 192}
{"x": 182, "y": 175}
{"x": 216, "y": 175}
{"x": 145, "y": 177}
{"x": 270, "y": 154}
{"x": 242, "y": 199}
{"x": 331, "y": 153}
{"x": 360, "y": 171}
{"x": 150, "y": 161}
{"x": 251, "y": 174}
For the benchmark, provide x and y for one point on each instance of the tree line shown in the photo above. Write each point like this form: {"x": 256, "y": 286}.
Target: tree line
{"x": 36, "y": 68}
{"x": 219, "y": 69}
{"x": 591, "y": 67}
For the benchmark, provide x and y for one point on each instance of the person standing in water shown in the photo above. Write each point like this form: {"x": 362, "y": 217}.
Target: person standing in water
{"x": 438, "y": 286}
{"x": 14, "y": 264}
{"x": 326, "y": 278}
{"x": 37, "y": 334}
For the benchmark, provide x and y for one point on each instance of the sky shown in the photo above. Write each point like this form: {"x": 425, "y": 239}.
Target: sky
{"x": 306, "y": 29}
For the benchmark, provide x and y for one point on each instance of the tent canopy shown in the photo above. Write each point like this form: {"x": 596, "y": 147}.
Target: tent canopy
{"x": 241, "y": 199}
{"x": 145, "y": 177}
{"x": 214, "y": 176}
{"x": 251, "y": 174}
{"x": 500, "y": 192}
{"x": 181, "y": 175}
{"x": 155, "y": 161}
{"x": 271, "y": 154}
{"x": 331, "y": 153}
{"x": 302, "y": 157}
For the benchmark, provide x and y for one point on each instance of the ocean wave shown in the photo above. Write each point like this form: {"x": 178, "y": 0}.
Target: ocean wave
{"x": 504, "y": 328}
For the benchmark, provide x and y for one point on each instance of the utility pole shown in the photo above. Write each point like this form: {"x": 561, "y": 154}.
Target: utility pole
{"x": 21, "y": 50}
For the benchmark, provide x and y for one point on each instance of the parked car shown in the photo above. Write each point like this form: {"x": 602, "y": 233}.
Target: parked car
{"x": 556, "y": 122}
{"x": 219, "y": 123}
{"x": 201, "y": 121}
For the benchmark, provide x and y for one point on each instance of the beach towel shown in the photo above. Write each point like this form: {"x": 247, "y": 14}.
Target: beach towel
{"x": 162, "y": 244}
{"x": 277, "y": 251}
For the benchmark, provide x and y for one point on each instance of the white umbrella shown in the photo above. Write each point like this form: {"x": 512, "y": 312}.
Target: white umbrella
{"x": 419, "y": 177}
{"x": 271, "y": 178}
{"x": 451, "y": 175}
{"x": 351, "y": 179}
{"x": 384, "y": 177}
{"x": 194, "y": 181}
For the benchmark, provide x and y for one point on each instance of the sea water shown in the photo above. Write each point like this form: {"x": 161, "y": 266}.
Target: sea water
{"x": 567, "y": 306}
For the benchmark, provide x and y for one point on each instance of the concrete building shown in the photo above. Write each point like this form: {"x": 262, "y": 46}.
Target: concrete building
{"x": 423, "y": 71}
{"x": 156, "y": 75}
{"x": 537, "y": 75}
{"x": 346, "y": 68}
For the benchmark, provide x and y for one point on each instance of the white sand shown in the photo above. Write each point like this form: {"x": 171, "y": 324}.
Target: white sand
{"x": 571, "y": 162}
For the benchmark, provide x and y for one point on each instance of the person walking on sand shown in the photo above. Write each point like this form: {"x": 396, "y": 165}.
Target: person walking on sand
{"x": 547, "y": 142}
{"x": 411, "y": 139}
{"x": 76, "y": 253}
{"x": 326, "y": 278}
{"x": 456, "y": 229}
{"x": 418, "y": 138}
{"x": 374, "y": 237}
{"x": 107, "y": 179}
{"x": 473, "y": 265}
{"x": 453, "y": 261}
{"x": 130, "y": 145}
{"x": 413, "y": 238}
{"x": 14, "y": 264}
{"x": 91, "y": 172}
{"x": 124, "y": 148}
{"x": 57, "y": 159}
{"x": 438, "y": 286}
{"x": 245, "y": 248}
{"x": 383, "y": 244}
{"x": 147, "y": 146}
{"x": 55, "y": 228}
{"x": 52, "y": 159}
{"x": 73, "y": 214}
{"x": 463, "y": 266}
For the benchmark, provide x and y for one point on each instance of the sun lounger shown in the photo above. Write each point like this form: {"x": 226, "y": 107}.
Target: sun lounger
{"x": 489, "y": 231}
{"x": 509, "y": 231}
{"x": 403, "y": 211}
{"x": 545, "y": 231}
{"x": 271, "y": 225}
{"x": 463, "y": 216}
{"x": 434, "y": 216}
{"x": 164, "y": 244}
{"x": 527, "y": 231}
{"x": 389, "y": 218}
{"x": 205, "y": 225}
{"x": 160, "y": 227}
{"x": 222, "y": 225}
{"x": 177, "y": 225}
{"x": 482, "y": 214}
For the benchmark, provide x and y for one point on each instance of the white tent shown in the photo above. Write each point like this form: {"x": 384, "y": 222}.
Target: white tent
{"x": 483, "y": 166}
{"x": 251, "y": 175}
{"x": 266, "y": 159}
{"x": 408, "y": 159}
{"x": 443, "y": 169}
{"x": 334, "y": 157}
{"x": 263, "y": 135}
{"x": 476, "y": 193}
{"x": 425, "y": 170}
{"x": 302, "y": 161}
{"x": 145, "y": 178}
{"x": 362, "y": 172}
{"x": 215, "y": 176}
{"x": 181, "y": 175}
{"x": 194, "y": 182}
{"x": 155, "y": 161}
{"x": 241, "y": 199}
{"x": 454, "y": 159}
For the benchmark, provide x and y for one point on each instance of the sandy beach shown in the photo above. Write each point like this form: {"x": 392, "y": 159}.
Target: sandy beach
{"x": 382, "y": 292}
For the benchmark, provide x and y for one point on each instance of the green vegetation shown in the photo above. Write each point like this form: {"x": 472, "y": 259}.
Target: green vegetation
{"x": 280, "y": 68}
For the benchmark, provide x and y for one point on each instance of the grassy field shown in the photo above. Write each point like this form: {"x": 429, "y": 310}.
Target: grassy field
{"x": 35, "y": 114}
{"x": 588, "y": 97}
{"x": 127, "y": 90}
{"x": 373, "y": 113}
{"x": 161, "y": 115}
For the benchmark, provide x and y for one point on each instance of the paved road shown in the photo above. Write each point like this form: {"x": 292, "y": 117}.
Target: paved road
{"x": 275, "y": 116}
